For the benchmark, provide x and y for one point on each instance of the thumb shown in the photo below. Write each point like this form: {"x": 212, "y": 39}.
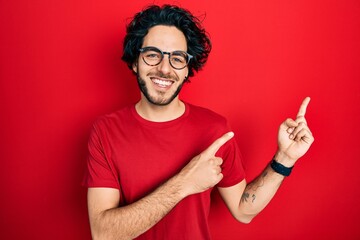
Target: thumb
{"x": 216, "y": 145}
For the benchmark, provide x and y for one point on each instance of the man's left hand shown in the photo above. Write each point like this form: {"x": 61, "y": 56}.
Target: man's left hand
{"x": 294, "y": 137}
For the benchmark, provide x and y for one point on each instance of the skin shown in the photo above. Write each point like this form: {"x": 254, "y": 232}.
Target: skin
{"x": 167, "y": 39}
{"x": 245, "y": 201}
{"x": 294, "y": 140}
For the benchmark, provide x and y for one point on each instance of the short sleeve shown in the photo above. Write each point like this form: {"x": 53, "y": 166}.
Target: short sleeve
{"x": 99, "y": 171}
{"x": 232, "y": 167}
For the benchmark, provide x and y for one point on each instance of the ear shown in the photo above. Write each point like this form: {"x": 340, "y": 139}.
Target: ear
{"x": 187, "y": 74}
{"x": 134, "y": 67}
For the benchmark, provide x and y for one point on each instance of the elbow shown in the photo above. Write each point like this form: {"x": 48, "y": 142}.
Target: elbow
{"x": 105, "y": 237}
{"x": 105, "y": 234}
{"x": 97, "y": 235}
{"x": 101, "y": 233}
{"x": 245, "y": 218}
{"x": 103, "y": 229}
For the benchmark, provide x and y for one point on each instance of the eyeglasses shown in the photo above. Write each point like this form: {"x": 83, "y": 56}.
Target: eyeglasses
{"x": 153, "y": 56}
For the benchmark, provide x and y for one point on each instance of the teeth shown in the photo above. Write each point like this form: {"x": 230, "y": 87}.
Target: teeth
{"x": 162, "y": 82}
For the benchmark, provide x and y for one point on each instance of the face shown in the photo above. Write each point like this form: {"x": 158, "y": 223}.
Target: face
{"x": 161, "y": 84}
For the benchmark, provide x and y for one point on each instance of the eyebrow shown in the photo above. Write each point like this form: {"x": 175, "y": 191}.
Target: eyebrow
{"x": 150, "y": 46}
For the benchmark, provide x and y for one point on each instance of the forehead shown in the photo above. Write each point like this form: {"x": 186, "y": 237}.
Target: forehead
{"x": 166, "y": 38}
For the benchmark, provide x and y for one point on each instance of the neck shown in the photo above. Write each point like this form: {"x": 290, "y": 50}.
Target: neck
{"x": 157, "y": 113}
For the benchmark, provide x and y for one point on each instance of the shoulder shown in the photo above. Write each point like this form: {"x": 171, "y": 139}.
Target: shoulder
{"x": 207, "y": 121}
{"x": 205, "y": 114}
{"x": 115, "y": 118}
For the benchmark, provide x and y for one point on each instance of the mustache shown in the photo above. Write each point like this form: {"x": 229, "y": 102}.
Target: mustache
{"x": 162, "y": 75}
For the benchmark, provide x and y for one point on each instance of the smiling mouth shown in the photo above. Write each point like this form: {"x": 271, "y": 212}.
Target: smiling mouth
{"x": 162, "y": 82}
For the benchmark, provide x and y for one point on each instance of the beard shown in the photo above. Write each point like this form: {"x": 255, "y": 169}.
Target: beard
{"x": 159, "y": 100}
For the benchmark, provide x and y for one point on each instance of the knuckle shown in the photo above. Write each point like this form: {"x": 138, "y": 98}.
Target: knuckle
{"x": 290, "y": 130}
{"x": 302, "y": 124}
{"x": 220, "y": 176}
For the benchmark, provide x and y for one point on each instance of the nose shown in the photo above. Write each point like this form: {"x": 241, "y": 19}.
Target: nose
{"x": 164, "y": 65}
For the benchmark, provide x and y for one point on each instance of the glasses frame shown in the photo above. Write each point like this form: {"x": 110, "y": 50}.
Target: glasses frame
{"x": 189, "y": 56}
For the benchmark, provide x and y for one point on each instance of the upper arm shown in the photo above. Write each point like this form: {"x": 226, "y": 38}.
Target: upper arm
{"x": 232, "y": 197}
{"x": 100, "y": 200}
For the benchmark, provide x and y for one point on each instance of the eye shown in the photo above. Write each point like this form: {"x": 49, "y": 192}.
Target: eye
{"x": 178, "y": 59}
{"x": 152, "y": 55}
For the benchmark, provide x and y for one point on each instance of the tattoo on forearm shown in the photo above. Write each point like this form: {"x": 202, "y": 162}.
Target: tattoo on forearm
{"x": 259, "y": 182}
{"x": 244, "y": 197}
{"x": 253, "y": 187}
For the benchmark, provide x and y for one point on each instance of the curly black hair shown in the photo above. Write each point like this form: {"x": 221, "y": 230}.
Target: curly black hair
{"x": 198, "y": 42}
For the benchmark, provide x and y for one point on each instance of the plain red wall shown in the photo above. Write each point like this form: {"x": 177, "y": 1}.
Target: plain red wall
{"x": 60, "y": 68}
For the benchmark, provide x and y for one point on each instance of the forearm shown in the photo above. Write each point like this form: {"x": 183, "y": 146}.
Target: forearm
{"x": 294, "y": 140}
{"x": 113, "y": 222}
{"x": 259, "y": 192}
{"x": 132, "y": 220}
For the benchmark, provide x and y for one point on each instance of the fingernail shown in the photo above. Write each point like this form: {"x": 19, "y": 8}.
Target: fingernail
{"x": 291, "y": 136}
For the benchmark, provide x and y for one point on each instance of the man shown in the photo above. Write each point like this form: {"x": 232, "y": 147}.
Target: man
{"x": 152, "y": 165}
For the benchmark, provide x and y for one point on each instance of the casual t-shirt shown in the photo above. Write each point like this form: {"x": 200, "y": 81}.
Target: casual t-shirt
{"x": 136, "y": 156}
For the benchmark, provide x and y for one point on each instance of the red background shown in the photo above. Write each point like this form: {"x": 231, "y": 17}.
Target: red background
{"x": 60, "y": 67}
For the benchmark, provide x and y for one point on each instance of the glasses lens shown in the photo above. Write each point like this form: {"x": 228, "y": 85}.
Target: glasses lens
{"x": 178, "y": 59}
{"x": 151, "y": 56}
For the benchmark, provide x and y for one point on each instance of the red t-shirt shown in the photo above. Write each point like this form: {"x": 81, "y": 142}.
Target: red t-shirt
{"x": 136, "y": 156}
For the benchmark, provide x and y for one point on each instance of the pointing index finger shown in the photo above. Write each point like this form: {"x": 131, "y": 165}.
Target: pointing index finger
{"x": 216, "y": 145}
{"x": 303, "y": 107}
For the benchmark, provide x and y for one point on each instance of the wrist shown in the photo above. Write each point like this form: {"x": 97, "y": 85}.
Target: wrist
{"x": 280, "y": 169}
{"x": 284, "y": 159}
{"x": 181, "y": 184}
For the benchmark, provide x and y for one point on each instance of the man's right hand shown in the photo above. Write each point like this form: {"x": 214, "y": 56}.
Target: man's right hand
{"x": 109, "y": 221}
{"x": 204, "y": 170}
